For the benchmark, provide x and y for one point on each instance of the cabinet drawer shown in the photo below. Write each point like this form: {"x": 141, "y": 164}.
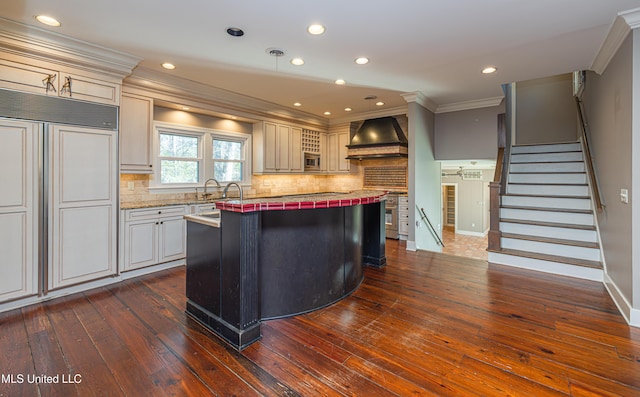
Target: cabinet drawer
{"x": 199, "y": 208}
{"x": 155, "y": 212}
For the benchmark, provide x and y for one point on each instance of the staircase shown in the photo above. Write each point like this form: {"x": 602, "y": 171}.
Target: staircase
{"x": 547, "y": 221}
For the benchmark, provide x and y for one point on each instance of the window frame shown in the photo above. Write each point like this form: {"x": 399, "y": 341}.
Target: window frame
{"x": 205, "y": 155}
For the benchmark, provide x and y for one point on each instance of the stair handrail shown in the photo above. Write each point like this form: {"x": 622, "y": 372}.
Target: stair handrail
{"x": 587, "y": 154}
{"x": 425, "y": 218}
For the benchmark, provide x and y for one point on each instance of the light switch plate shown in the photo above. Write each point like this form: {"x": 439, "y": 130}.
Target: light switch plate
{"x": 624, "y": 196}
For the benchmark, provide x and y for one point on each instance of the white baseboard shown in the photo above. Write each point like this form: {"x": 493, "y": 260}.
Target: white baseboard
{"x": 631, "y": 315}
{"x": 468, "y": 233}
{"x": 411, "y": 246}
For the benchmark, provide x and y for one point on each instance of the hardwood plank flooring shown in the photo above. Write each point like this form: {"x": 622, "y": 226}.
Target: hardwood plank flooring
{"x": 427, "y": 324}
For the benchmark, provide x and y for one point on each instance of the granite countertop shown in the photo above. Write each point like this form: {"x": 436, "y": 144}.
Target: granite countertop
{"x": 162, "y": 203}
{"x": 303, "y": 201}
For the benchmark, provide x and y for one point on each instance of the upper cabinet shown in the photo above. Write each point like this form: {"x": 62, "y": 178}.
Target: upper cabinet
{"x": 277, "y": 148}
{"x": 56, "y": 81}
{"x": 336, "y": 153}
{"x": 136, "y": 120}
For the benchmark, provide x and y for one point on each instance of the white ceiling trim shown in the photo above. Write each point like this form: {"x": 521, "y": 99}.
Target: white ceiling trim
{"x": 36, "y": 43}
{"x": 620, "y": 28}
{"x": 420, "y": 99}
{"x": 469, "y": 105}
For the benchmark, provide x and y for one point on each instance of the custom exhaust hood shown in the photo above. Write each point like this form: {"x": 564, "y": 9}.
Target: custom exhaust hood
{"x": 376, "y": 138}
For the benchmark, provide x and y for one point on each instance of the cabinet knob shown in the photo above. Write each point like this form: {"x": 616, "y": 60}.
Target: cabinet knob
{"x": 159, "y": 212}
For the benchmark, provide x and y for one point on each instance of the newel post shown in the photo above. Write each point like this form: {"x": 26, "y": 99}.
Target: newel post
{"x": 494, "y": 216}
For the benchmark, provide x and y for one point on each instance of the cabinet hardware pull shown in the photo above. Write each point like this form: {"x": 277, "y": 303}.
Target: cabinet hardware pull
{"x": 66, "y": 87}
{"x": 48, "y": 83}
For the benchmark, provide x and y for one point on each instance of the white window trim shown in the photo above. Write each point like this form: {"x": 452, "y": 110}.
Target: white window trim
{"x": 205, "y": 169}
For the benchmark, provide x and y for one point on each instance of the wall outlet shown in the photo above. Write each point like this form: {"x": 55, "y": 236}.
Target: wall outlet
{"x": 130, "y": 186}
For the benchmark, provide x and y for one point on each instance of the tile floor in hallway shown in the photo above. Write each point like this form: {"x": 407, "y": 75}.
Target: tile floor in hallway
{"x": 464, "y": 245}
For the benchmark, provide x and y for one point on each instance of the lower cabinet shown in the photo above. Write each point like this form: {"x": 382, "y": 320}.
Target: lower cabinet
{"x": 403, "y": 217}
{"x": 153, "y": 236}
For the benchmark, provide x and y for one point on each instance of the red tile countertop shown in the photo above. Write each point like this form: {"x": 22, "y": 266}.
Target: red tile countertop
{"x": 303, "y": 201}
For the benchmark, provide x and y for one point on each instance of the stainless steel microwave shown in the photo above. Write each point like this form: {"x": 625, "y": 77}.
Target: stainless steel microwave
{"x": 311, "y": 162}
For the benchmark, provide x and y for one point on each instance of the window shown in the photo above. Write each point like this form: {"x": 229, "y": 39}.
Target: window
{"x": 178, "y": 158}
{"x": 228, "y": 159}
{"x": 186, "y": 156}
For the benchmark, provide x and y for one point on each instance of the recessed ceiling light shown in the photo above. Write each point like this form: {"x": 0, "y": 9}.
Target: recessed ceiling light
{"x": 380, "y": 103}
{"x": 341, "y": 82}
{"x": 185, "y": 108}
{"x": 49, "y": 21}
{"x": 489, "y": 70}
{"x": 297, "y": 61}
{"x": 362, "y": 60}
{"x": 235, "y": 32}
{"x": 297, "y": 104}
{"x": 315, "y": 29}
{"x": 347, "y": 109}
{"x": 327, "y": 113}
{"x": 168, "y": 66}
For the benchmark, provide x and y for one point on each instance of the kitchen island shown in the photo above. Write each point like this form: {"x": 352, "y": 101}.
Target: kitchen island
{"x": 280, "y": 256}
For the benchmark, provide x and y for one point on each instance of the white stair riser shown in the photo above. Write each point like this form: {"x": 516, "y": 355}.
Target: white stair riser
{"x": 547, "y": 216}
{"x": 547, "y": 167}
{"x": 563, "y": 269}
{"x": 548, "y": 178}
{"x": 569, "y": 251}
{"x": 549, "y": 190}
{"x": 550, "y": 232}
{"x": 561, "y": 147}
{"x": 545, "y": 157}
{"x": 547, "y": 202}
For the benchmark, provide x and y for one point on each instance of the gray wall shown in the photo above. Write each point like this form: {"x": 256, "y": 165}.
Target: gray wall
{"x": 199, "y": 120}
{"x": 545, "y": 111}
{"x": 608, "y": 100}
{"x": 467, "y": 134}
{"x": 424, "y": 178}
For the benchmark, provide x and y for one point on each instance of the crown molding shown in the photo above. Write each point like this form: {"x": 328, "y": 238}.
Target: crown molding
{"x": 624, "y": 23}
{"x": 374, "y": 114}
{"x": 420, "y": 99}
{"x": 469, "y": 105}
{"x": 172, "y": 88}
{"x": 43, "y": 45}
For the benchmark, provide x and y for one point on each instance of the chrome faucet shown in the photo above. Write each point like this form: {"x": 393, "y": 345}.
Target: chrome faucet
{"x": 205, "y": 194}
{"x": 226, "y": 189}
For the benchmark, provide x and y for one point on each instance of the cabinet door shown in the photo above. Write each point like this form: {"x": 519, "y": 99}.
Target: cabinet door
{"x": 343, "y": 141}
{"x": 173, "y": 239}
{"x": 18, "y": 220}
{"x": 21, "y": 77}
{"x": 82, "y": 233}
{"x": 283, "y": 148}
{"x": 270, "y": 147}
{"x": 296, "y": 150}
{"x": 88, "y": 89}
{"x": 140, "y": 244}
{"x": 136, "y": 115}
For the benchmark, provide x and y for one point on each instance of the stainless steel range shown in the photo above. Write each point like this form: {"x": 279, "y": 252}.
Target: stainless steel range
{"x": 391, "y": 216}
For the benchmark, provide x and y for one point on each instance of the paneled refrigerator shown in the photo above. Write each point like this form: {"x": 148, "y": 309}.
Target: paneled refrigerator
{"x": 58, "y": 193}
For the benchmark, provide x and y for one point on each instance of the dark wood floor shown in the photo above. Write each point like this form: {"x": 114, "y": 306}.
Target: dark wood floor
{"x": 427, "y": 324}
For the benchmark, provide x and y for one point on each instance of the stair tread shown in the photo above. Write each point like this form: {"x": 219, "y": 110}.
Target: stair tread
{"x": 573, "y": 211}
{"x": 543, "y": 162}
{"x": 546, "y": 144}
{"x": 575, "y": 243}
{"x": 549, "y": 224}
{"x": 544, "y": 196}
{"x": 548, "y": 183}
{"x": 552, "y": 258}
{"x": 546, "y": 172}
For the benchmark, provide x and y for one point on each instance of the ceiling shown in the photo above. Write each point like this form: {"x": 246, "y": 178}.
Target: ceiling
{"x": 437, "y": 48}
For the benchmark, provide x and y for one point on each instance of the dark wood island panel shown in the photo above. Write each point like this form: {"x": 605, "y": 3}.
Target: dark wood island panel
{"x": 278, "y": 261}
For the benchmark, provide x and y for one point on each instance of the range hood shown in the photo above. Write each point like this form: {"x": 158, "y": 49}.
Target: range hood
{"x": 381, "y": 137}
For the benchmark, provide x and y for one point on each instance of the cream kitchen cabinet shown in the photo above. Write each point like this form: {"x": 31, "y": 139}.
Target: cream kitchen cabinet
{"x": 277, "y": 148}
{"x": 153, "y": 235}
{"x": 403, "y": 217}
{"x": 136, "y": 120}
{"x": 337, "y": 152}
{"x": 82, "y": 204}
{"x": 56, "y": 81}
{"x": 18, "y": 209}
